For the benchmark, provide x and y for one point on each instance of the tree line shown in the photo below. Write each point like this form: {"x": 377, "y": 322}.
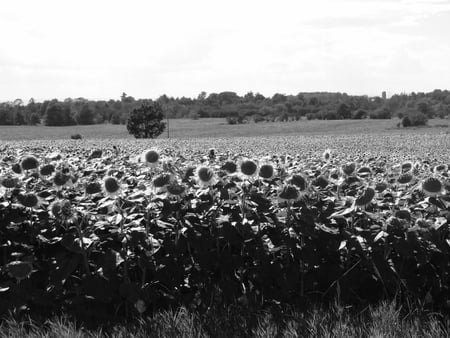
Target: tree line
{"x": 251, "y": 107}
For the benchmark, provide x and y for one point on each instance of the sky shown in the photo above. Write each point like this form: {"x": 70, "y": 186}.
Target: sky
{"x": 99, "y": 49}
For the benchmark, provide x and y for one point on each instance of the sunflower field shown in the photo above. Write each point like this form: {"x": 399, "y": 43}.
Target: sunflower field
{"x": 107, "y": 229}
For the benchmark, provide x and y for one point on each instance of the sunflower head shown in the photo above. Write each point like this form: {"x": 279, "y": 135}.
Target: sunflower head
{"x": 432, "y": 186}
{"x": 151, "y": 157}
{"x": 405, "y": 178}
{"x": 205, "y": 176}
{"x": 47, "y": 169}
{"x": 299, "y": 181}
{"x": 29, "y": 200}
{"x": 111, "y": 186}
{"x": 266, "y": 171}
{"x": 29, "y": 163}
{"x": 161, "y": 180}
{"x": 365, "y": 197}
{"x": 93, "y": 188}
{"x": 349, "y": 168}
{"x": 230, "y": 167}
{"x": 289, "y": 193}
{"x": 248, "y": 167}
{"x": 9, "y": 182}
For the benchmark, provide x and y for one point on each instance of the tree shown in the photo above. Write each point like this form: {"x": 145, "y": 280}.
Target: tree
{"x": 58, "y": 114}
{"x": 20, "y": 119}
{"x": 86, "y": 115}
{"x": 35, "y": 119}
{"x": 343, "y": 111}
{"x": 146, "y": 121}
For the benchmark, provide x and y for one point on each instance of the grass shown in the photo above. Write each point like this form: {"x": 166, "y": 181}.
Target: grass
{"x": 384, "y": 320}
{"x": 211, "y": 127}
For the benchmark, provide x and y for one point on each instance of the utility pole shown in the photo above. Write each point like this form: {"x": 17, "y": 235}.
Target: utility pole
{"x": 167, "y": 118}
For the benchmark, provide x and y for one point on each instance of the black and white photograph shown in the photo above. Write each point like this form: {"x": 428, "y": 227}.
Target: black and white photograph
{"x": 225, "y": 168}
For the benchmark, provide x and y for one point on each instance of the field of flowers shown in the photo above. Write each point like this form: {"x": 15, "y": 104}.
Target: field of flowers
{"x": 107, "y": 229}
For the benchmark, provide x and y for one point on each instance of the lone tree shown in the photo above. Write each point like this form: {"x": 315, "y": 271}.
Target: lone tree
{"x": 146, "y": 121}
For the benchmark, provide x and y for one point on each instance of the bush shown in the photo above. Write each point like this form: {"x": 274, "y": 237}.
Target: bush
{"x": 146, "y": 121}
{"x": 35, "y": 119}
{"x": 382, "y": 113}
{"x": 414, "y": 119}
{"x": 115, "y": 118}
{"x": 76, "y": 137}
{"x": 359, "y": 114}
{"x": 310, "y": 116}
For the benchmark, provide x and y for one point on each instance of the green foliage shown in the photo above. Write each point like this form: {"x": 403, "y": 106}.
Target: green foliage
{"x": 343, "y": 111}
{"x": 85, "y": 116}
{"x": 58, "y": 115}
{"x": 146, "y": 121}
{"x": 231, "y": 240}
{"x": 383, "y": 320}
{"x": 414, "y": 119}
{"x": 360, "y": 114}
{"x": 35, "y": 119}
{"x": 229, "y": 104}
{"x": 382, "y": 113}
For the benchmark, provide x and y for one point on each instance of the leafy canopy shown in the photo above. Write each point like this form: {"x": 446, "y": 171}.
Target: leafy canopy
{"x": 146, "y": 121}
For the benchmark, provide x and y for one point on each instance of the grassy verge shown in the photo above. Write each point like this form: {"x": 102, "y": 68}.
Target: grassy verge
{"x": 384, "y": 320}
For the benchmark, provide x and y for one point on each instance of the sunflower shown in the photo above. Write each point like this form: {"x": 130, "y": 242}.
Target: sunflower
{"x": 440, "y": 169}
{"x": 299, "y": 181}
{"x": 93, "y": 188}
{"x": 175, "y": 189}
{"x": 432, "y": 186}
{"x": 29, "y": 200}
{"x": 29, "y": 163}
{"x": 161, "y": 181}
{"x": 60, "y": 179}
{"x": 205, "y": 176}
{"x": 266, "y": 171}
{"x": 288, "y": 193}
{"x": 47, "y": 169}
{"x": 151, "y": 157}
{"x": 248, "y": 167}
{"x": 405, "y": 178}
{"x": 9, "y": 182}
{"x": 229, "y": 166}
{"x": 326, "y": 156}
{"x": 111, "y": 186}
{"x": 349, "y": 168}
{"x": 406, "y": 166}
{"x": 365, "y": 197}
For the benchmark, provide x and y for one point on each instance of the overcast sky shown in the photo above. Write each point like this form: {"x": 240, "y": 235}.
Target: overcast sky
{"x": 99, "y": 49}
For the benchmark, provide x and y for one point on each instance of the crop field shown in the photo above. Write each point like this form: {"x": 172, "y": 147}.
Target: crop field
{"x": 105, "y": 229}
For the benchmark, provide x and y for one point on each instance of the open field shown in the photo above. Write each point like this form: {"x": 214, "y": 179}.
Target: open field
{"x": 210, "y": 127}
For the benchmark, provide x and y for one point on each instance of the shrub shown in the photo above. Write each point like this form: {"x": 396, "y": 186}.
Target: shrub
{"x": 146, "y": 121}
{"x": 359, "y": 114}
{"x": 76, "y": 137}
{"x": 414, "y": 119}
{"x": 382, "y": 113}
{"x": 310, "y": 116}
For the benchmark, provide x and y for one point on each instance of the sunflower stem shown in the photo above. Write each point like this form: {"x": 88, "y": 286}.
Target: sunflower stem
{"x": 83, "y": 248}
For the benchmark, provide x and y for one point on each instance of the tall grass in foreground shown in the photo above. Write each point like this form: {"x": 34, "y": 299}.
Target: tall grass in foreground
{"x": 384, "y": 320}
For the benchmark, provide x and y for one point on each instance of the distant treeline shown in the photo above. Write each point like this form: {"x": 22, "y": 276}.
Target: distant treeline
{"x": 236, "y": 109}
